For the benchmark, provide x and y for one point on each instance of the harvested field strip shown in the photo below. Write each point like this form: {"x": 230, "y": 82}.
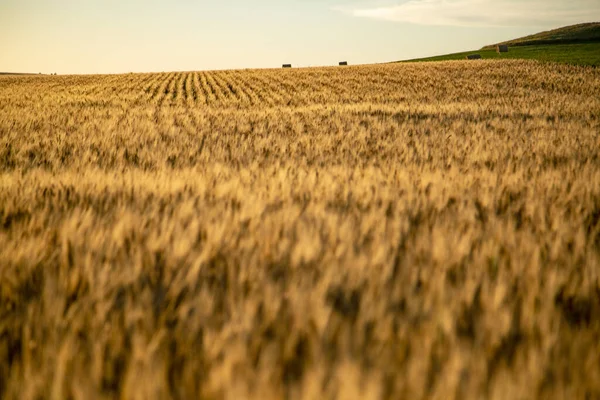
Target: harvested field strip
{"x": 286, "y": 84}
{"x": 161, "y": 87}
{"x": 141, "y": 86}
{"x": 211, "y": 93}
{"x": 182, "y": 93}
{"x": 333, "y": 89}
{"x": 144, "y": 82}
{"x": 165, "y": 91}
{"x": 229, "y": 96}
{"x": 257, "y": 91}
{"x": 190, "y": 120}
{"x": 247, "y": 98}
{"x": 208, "y": 96}
{"x": 222, "y": 78}
{"x": 215, "y": 89}
{"x": 179, "y": 95}
{"x": 174, "y": 89}
{"x": 273, "y": 94}
{"x": 225, "y": 84}
{"x": 153, "y": 85}
{"x": 235, "y": 85}
{"x": 201, "y": 98}
{"x": 190, "y": 90}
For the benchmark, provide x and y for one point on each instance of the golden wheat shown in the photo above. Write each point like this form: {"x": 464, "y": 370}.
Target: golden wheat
{"x": 394, "y": 231}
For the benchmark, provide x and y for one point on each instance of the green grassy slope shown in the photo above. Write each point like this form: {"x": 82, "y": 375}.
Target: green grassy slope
{"x": 581, "y": 33}
{"x": 575, "y": 44}
{"x": 580, "y": 54}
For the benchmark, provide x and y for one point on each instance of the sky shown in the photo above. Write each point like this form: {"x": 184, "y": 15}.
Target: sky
{"x": 110, "y": 36}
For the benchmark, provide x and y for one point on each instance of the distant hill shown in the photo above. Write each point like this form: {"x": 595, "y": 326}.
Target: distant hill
{"x": 581, "y": 33}
{"x": 17, "y": 73}
{"x": 576, "y": 44}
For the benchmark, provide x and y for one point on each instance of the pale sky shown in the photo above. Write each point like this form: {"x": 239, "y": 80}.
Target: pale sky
{"x": 110, "y": 36}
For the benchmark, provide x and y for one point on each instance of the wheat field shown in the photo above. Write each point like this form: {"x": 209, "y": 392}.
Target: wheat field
{"x": 405, "y": 231}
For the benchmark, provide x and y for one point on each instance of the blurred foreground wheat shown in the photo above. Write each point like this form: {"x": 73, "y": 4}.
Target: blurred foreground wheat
{"x": 403, "y": 231}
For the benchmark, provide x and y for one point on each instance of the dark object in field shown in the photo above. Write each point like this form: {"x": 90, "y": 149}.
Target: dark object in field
{"x": 578, "y": 311}
{"x": 502, "y": 48}
{"x": 287, "y": 65}
{"x": 346, "y": 303}
{"x": 343, "y": 63}
{"x": 474, "y": 57}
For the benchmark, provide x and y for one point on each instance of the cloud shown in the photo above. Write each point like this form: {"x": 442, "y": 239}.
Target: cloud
{"x": 484, "y": 13}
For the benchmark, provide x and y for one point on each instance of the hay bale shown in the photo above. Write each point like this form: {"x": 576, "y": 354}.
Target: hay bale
{"x": 502, "y": 48}
{"x": 474, "y": 57}
{"x": 287, "y": 65}
{"x": 343, "y": 63}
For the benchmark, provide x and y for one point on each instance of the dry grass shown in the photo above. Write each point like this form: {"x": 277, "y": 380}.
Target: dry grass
{"x": 400, "y": 231}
